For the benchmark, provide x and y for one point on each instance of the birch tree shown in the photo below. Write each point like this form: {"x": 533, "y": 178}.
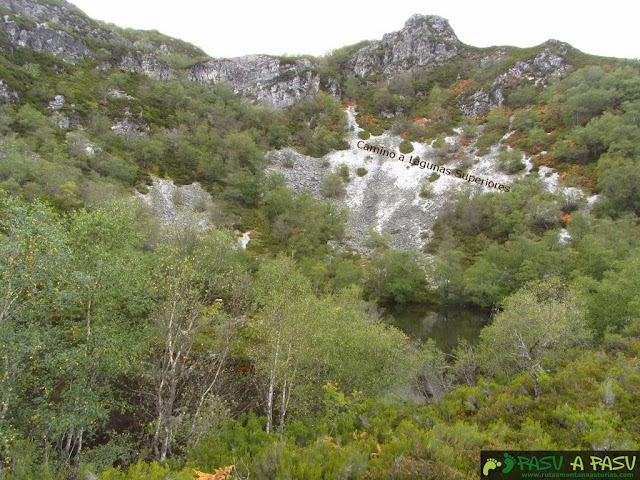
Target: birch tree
{"x": 278, "y": 329}
{"x": 540, "y": 320}
{"x": 192, "y": 341}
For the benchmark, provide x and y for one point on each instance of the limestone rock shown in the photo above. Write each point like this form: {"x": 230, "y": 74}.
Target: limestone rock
{"x": 147, "y": 64}
{"x": 126, "y": 128}
{"x": 6, "y": 94}
{"x": 44, "y": 39}
{"x": 539, "y": 70}
{"x": 57, "y": 103}
{"x": 186, "y": 205}
{"x": 268, "y": 80}
{"x": 425, "y": 40}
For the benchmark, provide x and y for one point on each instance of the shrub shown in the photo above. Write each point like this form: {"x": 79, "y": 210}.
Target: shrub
{"x": 510, "y": 161}
{"x": 406, "y": 147}
{"x": 440, "y": 147}
{"x": 287, "y": 161}
{"x": 332, "y": 186}
{"x": 343, "y": 171}
{"x": 434, "y": 176}
{"x": 364, "y": 135}
{"x": 426, "y": 191}
{"x": 361, "y": 171}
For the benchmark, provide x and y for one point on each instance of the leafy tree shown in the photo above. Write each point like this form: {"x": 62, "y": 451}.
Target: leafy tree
{"x": 356, "y": 349}
{"x": 184, "y": 375}
{"x": 33, "y": 261}
{"x": 435, "y": 377}
{"x": 618, "y": 180}
{"x": 447, "y": 273}
{"x": 510, "y": 161}
{"x": 305, "y": 226}
{"x": 279, "y": 329}
{"x": 395, "y": 276}
{"x": 612, "y": 303}
{"x": 541, "y": 320}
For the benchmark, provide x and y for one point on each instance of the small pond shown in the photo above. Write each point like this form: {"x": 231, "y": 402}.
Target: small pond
{"x": 444, "y": 324}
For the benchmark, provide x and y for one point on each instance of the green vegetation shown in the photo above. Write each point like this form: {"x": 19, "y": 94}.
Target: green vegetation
{"x": 132, "y": 350}
{"x": 105, "y": 302}
{"x": 343, "y": 171}
{"x": 333, "y": 186}
{"x": 405, "y": 147}
{"x": 426, "y": 191}
{"x": 510, "y": 161}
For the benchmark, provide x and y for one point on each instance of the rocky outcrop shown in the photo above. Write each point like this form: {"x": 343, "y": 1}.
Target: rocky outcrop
{"x": 58, "y": 28}
{"x": 147, "y": 64}
{"x": 182, "y": 206}
{"x": 425, "y": 40}
{"x": 63, "y": 30}
{"x": 268, "y": 80}
{"x": 539, "y": 70}
{"x": 62, "y": 14}
{"x": 45, "y": 39}
{"x": 6, "y": 94}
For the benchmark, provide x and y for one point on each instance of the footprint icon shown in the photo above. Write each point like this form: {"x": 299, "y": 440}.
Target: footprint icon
{"x": 509, "y": 462}
{"x": 489, "y": 465}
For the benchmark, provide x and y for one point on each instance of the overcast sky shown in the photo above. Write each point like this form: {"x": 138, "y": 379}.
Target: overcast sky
{"x": 240, "y": 27}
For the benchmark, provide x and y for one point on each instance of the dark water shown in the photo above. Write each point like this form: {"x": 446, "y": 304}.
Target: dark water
{"x": 444, "y": 324}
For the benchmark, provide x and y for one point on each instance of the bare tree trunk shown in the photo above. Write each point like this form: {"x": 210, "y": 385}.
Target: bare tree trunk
{"x": 536, "y": 382}
{"x": 179, "y": 334}
{"x": 67, "y": 449}
{"x": 194, "y": 438}
{"x": 272, "y": 381}
{"x": 76, "y": 458}
{"x": 165, "y": 442}
{"x": 286, "y": 391}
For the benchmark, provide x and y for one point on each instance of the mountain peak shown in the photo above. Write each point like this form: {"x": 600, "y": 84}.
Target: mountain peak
{"x": 434, "y": 21}
{"x": 423, "y": 41}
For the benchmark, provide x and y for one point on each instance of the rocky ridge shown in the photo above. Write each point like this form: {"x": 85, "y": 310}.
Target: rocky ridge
{"x": 61, "y": 29}
{"x": 540, "y": 70}
{"x": 425, "y": 40}
{"x": 268, "y": 80}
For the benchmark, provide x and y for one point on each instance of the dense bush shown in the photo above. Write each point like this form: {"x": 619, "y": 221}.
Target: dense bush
{"x": 333, "y": 186}
{"x": 510, "y": 161}
{"x": 406, "y": 146}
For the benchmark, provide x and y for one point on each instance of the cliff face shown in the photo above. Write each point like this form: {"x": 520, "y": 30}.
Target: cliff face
{"x": 49, "y": 28}
{"x": 425, "y": 40}
{"x": 263, "y": 78}
{"x": 61, "y": 29}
